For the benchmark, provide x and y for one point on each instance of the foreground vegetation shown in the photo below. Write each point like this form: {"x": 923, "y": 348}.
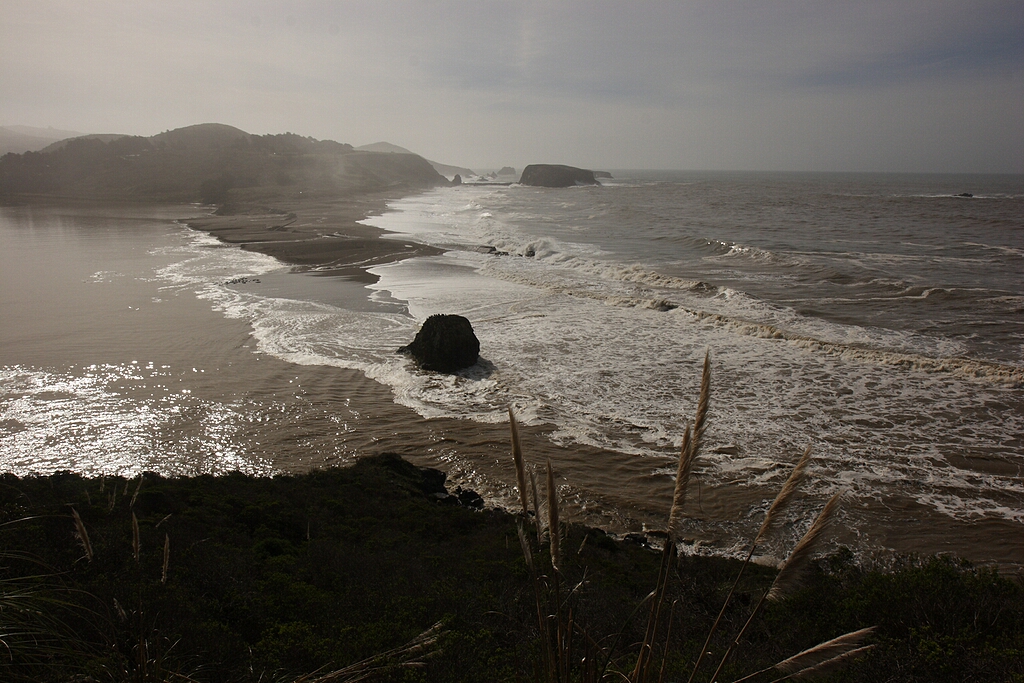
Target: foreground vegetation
{"x": 248, "y": 579}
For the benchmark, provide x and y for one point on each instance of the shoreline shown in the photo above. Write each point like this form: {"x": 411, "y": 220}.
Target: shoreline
{"x": 314, "y": 234}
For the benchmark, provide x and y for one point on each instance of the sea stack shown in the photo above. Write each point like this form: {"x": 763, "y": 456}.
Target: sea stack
{"x": 556, "y": 175}
{"x": 445, "y": 343}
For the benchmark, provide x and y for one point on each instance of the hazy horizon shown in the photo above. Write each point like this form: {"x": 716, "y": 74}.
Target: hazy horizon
{"x": 928, "y": 87}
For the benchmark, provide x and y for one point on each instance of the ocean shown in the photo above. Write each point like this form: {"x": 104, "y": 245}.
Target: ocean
{"x": 875, "y": 318}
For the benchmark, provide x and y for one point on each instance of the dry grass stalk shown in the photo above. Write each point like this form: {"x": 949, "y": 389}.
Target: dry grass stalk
{"x": 83, "y": 535}
{"x": 542, "y": 622}
{"x": 827, "y": 666}
{"x": 121, "y": 614}
{"x": 135, "y": 537}
{"x": 675, "y": 515}
{"x": 412, "y": 655}
{"x": 517, "y": 456}
{"x": 527, "y": 552}
{"x": 782, "y": 500}
{"x": 687, "y": 454}
{"x": 554, "y": 530}
{"x": 167, "y": 558}
{"x": 688, "y": 451}
{"x": 536, "y": 508}
{"x": 703, "y": 403}
{"x": 824, "y": 652}
{"x": 136, "y": 494}
{"x": 791, "y": 573}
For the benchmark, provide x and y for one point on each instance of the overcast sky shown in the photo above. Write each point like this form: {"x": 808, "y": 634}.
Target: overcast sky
{"x": 861, "y": 86}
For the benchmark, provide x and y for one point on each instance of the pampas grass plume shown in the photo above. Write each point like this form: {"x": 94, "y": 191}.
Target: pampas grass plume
{"x": 818, "y": 655}
{"x": 786, "y": 494}
{"x": 675, "y": 514}
{"x": 791, "y": 573}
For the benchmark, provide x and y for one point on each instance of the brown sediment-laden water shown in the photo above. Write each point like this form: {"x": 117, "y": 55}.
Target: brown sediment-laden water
{"x": 875, "y": 318}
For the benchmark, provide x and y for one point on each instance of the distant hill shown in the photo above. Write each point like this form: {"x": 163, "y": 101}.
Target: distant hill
{"x": 383, "y": 148}
{"x": 209, "y": 162}
{"x": 102, "y": 137}
{"x": 444, "y": 169}
{"x": 20, "y": 139}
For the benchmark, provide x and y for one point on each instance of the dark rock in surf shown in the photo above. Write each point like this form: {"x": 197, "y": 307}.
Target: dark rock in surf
{"x": 507, "y": 170}
{"x": 445, "y": 343}
{"x": 469, "y": 498}
{"x": 965, "y": 194}
{"x": 556, "y": 175}
{"x": 457, "y": 180}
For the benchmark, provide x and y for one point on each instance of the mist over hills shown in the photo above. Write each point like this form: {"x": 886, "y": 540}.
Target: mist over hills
{"x": 20, "y": 139}
{"x": 212, "y": 163}
{"x": 444, "y": 169}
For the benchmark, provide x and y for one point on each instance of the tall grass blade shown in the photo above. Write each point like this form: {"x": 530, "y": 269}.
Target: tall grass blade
{"x": 135, "y": 537}
{"x": 136, "y": 494}
{"x": 83, "y": 535}
{"x": 412, "y": 655}
{"x": 527, "y": 552}
{"x": 536, "y": 508}
{"x": 517, "y": 456}
{"x": 167, "y": 558}
{"x": 640, "y": 671}
{"x": 554, "y": 529}
{"x": 542, "y": 622}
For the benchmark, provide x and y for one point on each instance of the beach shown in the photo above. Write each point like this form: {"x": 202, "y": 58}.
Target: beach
{"x": 323, "y": 235}
{"x": 263, "y": 341}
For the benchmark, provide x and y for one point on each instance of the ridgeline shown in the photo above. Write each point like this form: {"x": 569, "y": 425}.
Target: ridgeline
{"x": 210, "y": 163}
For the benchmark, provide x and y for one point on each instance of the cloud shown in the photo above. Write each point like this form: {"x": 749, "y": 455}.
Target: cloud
{"x": 671, "y": 84}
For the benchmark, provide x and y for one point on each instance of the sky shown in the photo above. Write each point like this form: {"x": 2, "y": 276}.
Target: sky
{"x": 907, "y": 86}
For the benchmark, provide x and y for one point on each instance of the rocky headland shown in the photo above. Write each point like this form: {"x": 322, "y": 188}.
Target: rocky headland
{"x": 556, "y": 175}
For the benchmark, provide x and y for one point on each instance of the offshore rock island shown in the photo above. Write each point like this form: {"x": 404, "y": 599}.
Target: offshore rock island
{"x": 556, "y": 175}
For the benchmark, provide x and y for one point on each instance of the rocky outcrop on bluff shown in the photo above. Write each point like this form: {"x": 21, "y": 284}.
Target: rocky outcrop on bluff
{"x": 445, "y": 343}
{"x": 556, "y": 175}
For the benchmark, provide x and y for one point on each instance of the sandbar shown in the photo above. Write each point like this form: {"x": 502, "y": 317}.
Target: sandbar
{"x": 314, "y": 234}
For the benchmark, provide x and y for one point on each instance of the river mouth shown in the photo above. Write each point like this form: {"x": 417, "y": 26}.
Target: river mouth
{"x": 139, "y": 344}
